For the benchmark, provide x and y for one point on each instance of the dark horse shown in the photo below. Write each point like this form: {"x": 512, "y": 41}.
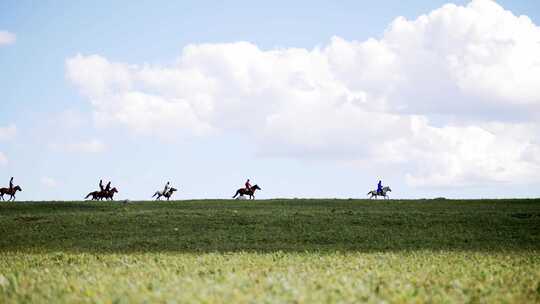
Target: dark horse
{"x": 99, "y": 195}
{"x": 250, "y": 192}
{"x": 11, "y": 192}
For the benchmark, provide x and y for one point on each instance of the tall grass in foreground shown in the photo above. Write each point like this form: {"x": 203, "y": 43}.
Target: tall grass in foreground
{"x": 303, "y": 251}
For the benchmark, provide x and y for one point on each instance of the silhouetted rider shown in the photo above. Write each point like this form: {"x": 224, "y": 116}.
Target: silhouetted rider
{"x": 166, "y": 188}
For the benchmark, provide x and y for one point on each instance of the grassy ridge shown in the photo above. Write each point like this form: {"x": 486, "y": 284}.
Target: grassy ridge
{"x": 287, "y": 225}
{"x": 300, "y": 251}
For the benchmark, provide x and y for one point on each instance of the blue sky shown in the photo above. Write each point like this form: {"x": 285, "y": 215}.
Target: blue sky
{"x": 59, "y": 135}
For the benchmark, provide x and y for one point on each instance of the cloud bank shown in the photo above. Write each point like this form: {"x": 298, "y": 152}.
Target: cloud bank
{"x": 450, "y": 98}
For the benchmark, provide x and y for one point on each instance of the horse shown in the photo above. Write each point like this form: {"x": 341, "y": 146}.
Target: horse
{"x": 167, "y": 194}
{"x": 250, "y": 192}
{"x": 95, "y": 195}
{"x": 384, "y": 191}
{"x": 108, "y": 195}
{"x": 11, "y": 192}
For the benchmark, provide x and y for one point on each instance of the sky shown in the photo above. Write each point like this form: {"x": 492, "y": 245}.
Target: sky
{"x": 307, "y": 99}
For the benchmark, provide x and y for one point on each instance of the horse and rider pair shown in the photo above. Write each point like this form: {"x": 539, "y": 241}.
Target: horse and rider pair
{"x": 381, "y": 191}
{"x": 11, "y": 191}
{"x": 248, "y": 190}
{"x": 167, "y": 192}
{"x": 104, "y": 193}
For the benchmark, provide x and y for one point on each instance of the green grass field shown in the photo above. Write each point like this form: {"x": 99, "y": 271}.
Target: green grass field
{"x": 273, "y": 251}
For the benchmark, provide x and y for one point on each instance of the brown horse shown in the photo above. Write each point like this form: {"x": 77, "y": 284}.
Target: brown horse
{"x": 94, "y": 194}
{"x": 11, "y": 192}
{"x": 244, "y": 191}
{"x": 108, "y": 195}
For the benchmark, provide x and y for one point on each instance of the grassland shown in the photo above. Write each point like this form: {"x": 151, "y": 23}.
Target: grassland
{"x": 275, "y": 251}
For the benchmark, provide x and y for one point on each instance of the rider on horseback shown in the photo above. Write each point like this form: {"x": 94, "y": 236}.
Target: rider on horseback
{"x": 379, "y": 188}
{"x": 108, "y": 187}
{"x": 248, "y": 185}
{"x": 11, "y": 184}
{"x": 166, "y": 188}
{"x": 101, "y": 185}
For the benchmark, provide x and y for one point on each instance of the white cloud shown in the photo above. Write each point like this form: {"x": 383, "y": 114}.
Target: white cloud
{"x": 3, "y": 159}
{"x": 7, "y": 38}
{"x": 451, "y": 97}
{"x": 49, "y": 182}
{"x": 90, "y": 146}
{"x": 8, "y": 133}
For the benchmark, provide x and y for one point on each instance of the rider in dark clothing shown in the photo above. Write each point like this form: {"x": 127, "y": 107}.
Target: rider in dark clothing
{"x": 11, "y": 184}
{"x": 379, "y": 188}
{"x": 108, "y": 187}
{"x": 248, "y": 185}
{"x": 101, "y": 185}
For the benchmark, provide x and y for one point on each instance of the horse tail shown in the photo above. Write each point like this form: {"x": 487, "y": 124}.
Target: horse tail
{"x": 236, "y": 193}
{"x": 155, "y": 194}
{"x": 88, "y": 195}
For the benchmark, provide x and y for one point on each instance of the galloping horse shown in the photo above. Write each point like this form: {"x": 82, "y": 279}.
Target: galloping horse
{"x": 383, "y": 193}
{"x": 250, "y": 192}
{"x": 94, "y": 194}
{"x": 11, "y": 192}
{"x": 99, "y": 195}
{"x": 108, "y": 195}
{"x": 167, "y": 194}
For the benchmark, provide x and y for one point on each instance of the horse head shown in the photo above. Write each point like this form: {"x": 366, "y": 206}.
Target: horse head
{"x": 255, "y": 187}
{"x": 172, "y": 189}
{"x": 387, "y": 189}
{"x": 114, "y": 190}
{"x": 17, "y": 188}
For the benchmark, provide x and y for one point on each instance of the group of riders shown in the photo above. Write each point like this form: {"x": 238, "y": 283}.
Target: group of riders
{"x": 11, "y": 191}
{"x": 107, "y": 193}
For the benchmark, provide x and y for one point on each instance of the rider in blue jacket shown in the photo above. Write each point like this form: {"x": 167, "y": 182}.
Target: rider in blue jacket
{"x": 379, "y": 188}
